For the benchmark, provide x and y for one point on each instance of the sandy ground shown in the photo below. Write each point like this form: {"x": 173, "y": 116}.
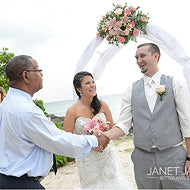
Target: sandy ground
{"x": 67, "y": 177}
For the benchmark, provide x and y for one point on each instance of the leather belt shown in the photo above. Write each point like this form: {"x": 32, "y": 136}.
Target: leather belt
{"x": 25, "y": 176}
{"x": 38, "y": 178}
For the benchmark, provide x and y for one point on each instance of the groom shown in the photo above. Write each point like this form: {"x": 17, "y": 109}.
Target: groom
{"x": 160, "y": 124}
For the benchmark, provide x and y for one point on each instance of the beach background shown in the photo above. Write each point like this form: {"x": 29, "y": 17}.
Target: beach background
{"x": 59, "y": 108}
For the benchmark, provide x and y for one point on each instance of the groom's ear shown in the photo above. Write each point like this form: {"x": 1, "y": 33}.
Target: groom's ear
{"x": 157, "y": 55}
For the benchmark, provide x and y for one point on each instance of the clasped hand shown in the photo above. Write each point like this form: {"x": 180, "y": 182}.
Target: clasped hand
{"x": 103, "y": 141}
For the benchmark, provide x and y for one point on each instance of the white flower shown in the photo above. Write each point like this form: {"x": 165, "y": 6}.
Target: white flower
{"x": 161, "y": 89}
{"x": 118, "y": 11}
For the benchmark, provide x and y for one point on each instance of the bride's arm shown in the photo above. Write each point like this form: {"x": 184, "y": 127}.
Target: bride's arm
{"x": 69, "y": 120}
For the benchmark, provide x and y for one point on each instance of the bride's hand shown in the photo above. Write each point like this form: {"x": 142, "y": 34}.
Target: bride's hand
{"x": 103, "y": 140}
{"x": 98, "y": 149}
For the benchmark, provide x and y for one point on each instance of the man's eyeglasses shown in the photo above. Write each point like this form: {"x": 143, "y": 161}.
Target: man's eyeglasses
{"x": 32, "y": 70}
{"x": 35, "y": 70}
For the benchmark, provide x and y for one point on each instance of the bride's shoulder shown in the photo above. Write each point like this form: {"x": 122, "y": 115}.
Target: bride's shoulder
{"x": 72, "y": 109}
{"x": 104, "y": 105}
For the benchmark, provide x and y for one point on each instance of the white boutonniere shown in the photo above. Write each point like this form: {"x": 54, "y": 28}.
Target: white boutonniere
{"x": 161, "y": 90}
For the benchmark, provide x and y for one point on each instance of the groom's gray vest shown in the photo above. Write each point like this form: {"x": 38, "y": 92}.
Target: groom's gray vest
{"x": 160, "y": 128}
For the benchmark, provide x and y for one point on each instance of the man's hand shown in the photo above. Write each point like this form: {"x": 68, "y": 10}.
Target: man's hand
{"x": 187, "y": 168}
{"x": 102, "y": 141}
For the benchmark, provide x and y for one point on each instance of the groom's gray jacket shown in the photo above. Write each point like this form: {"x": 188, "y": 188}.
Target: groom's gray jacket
{"x": 160, "y": 128}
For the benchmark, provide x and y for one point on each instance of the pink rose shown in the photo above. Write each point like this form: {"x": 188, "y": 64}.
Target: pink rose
{"x": 127, "y": 12}
{"x": 143, "y": 19}
{"x": 135, "y": 32}
{"x": 118, "y": 5}
{"x": 101, "y": 128}
{"x": 121, "y": 39}
{"x": 98, "y": 35}
{"x": 107, "y": 13}
{"x": 132, "y": 24}
{"x": 133, "y": 8}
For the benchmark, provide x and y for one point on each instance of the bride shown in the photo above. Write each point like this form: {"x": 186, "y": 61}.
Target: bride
{"x": 96, "y": 170}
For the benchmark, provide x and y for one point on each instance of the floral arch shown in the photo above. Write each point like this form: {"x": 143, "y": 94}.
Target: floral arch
{"x": 163, "y": 39}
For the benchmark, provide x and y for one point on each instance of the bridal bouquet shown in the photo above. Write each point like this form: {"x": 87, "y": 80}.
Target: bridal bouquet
{"x": 96, "y": 124}
{"x": 122, "y": 24}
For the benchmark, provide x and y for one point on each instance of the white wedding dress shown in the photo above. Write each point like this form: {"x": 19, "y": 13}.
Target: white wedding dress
{"x": 98, "y": 170}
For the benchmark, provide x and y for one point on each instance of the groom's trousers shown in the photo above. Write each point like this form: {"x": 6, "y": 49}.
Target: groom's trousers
{"x": 23, "y": 182}
{"x": 160, "y": 169}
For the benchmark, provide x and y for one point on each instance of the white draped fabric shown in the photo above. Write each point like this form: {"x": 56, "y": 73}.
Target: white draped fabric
{"x": 103, "y": 60}
{"x": 160, "y": 37}
{"x": 171, "y": 46}
{"x": 87, "y": 54}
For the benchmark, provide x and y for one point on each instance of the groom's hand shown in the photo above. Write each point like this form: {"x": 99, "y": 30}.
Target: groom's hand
{"x": 187, "y": 168}
{"x": 102, "y": 141}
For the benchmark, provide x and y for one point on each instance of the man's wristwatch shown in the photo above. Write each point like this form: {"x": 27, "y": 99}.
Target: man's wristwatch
{"x": 188, "y": 158}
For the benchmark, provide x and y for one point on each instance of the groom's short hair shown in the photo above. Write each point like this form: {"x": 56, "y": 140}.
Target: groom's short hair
{"x": 153, "y": 48}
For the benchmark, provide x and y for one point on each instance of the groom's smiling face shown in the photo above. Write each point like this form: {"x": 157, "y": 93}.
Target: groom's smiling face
{"x": 146, "y": 61}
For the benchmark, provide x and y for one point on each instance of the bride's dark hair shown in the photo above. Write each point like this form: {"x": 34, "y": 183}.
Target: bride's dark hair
{"x": 95, "y": 104}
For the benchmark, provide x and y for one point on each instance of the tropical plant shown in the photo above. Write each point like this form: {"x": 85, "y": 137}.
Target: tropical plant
{"x": 5, "y": 56}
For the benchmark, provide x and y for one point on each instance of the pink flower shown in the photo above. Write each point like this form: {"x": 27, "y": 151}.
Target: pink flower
{"x": 101, "y": 128}
{"x": 107, "y": 13}
{"x": 132, "y": 24}
{"x": 133, "y": 8}
{"x": 121, "y": 39}
{"x": 111, "y": 22}
{"x": 96, "y": 124}
{"x": 127, "y": 12}
{"x": 135, "y": 32}
{"x": 103, "y": 17}
{"x": 119, "y": 23}
{"x": 143, "y": 19}
{"x": 118, "y": 5}
{"x": 111, "y": 32}
{"x": 98, "y": 35}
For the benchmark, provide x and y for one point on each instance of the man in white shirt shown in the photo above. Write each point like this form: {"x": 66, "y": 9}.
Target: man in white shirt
{"x": 27, "y": 138}
{"x": 160, "y": 124}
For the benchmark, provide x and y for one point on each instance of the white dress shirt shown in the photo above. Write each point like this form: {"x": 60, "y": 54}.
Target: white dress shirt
{"x": 28, "y": 138}
{"x": 182, "y": 100}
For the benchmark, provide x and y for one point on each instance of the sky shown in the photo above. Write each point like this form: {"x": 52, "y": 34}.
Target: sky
{"x": 56, "y": 32}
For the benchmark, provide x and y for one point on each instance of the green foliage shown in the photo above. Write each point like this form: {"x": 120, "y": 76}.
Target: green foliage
{"x": 4, "y": 59}
{"x": 59, "y": 125}
{"x": 40, "y": 104}
{"x": 62, "y": 160}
